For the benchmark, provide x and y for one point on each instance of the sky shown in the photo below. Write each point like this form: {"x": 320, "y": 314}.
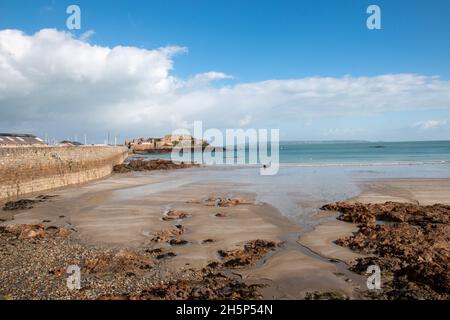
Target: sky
{"x": 144, "y": 68}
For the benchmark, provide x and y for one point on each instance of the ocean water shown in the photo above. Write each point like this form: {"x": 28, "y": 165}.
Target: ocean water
{"x": 366, "y": 152}
{"x": 350, "y": 153}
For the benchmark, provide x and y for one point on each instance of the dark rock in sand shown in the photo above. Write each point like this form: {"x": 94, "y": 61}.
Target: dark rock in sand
{"x": 30, "y": 231}
{"x": 223, "y": 202}
{"x": 23, "y": 204}
{"x": 174, "y": 215}
{"x": 220, "y": 215}
{"x": 165, "y": 255}
{"x": 413, "y": 247}
{"x": 205, "y": 286}
{"x": 154, "y": 251}
{"x": 149, "y": 165}
{"x": 213, "y": 265}
{"x": 177, "y": 242}
{"x": 390, "y": 211}
{"x": 249, "y": 255}
{"x": 165, "y": 234}
{"x": 327, "y": 295}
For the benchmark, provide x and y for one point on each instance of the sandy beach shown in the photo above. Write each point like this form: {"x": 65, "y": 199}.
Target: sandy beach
{"x": 188, "y": 221}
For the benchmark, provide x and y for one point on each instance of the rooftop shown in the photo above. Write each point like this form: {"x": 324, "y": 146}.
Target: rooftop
{"x": 12, "y": 139}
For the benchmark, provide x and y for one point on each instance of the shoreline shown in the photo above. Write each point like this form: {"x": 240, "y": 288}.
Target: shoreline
{"x": 294, "y": 269}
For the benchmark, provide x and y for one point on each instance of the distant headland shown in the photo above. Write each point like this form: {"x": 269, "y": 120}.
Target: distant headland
{"x": 165, "y": 144}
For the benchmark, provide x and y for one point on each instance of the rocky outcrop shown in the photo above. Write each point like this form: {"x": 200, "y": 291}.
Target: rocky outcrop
{"x": 31, "y": 231}
{"x": 25, "y": 204}
{"x": 223, "y": 202}
{"x": 390, "y": 211}
{"x": 205, "y": 285}
{"x": 410, "y": 243}
{"x": 149, "y": 165}
{"x": 171, "y": 215}
{"x": 248, "y": 255}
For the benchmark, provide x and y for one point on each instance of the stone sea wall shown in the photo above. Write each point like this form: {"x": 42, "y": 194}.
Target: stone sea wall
{"x": 33, "y": 169}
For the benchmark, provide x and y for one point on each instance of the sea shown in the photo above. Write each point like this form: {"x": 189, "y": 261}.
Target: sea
{"x": 350, "y": 153}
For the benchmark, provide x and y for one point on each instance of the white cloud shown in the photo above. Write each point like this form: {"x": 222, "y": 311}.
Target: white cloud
{"x": 53, "y": 80}
{"x": 336, "y": 133}
{"x": 85, "y": 36}
{"x": 431, "y": 124}
{"x": 212, "y": 75}
{"x": 245, "y": 121}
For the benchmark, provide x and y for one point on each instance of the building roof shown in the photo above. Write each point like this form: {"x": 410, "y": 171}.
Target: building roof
{"x": 14, "y": 139}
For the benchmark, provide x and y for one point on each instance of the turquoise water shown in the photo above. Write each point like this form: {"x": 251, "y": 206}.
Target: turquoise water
{"x": 390, "y": 152}
{"x": 349, "y": 153}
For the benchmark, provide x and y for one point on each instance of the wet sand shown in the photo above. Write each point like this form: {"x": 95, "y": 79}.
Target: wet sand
{"x": 420, "y": 191}
{"x": 126, "y": 211}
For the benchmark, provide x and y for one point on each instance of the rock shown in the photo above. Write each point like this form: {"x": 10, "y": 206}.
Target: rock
{"x": 391, "y": 212}
{"x": 252, "y": 252}
{"x": 121, "y": 261}
{"x": 220, "y": 215}
{"x": 221, "y": 202}
{"x": 206, "y": 286}
{"x": 174, "y": 215}
{"x": 327, "y": 295}
{"x": 63, "y": 232}
{"x": 177, "y": 242}
{"x": 413, "y": 245}
{"x": 23, "y": 204}
{"x": 163, "y": 235}
{"x": 149, "y": 165}
{"x": 30, "y": 233}
{"x": 154, "y": 251}
{"x": 213, "y": 265}
{"x": 165, "y": 255}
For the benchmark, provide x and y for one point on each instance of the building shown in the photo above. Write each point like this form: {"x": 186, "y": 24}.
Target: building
{"x": 174, "y": 139}
{"x": 18, "y": 140}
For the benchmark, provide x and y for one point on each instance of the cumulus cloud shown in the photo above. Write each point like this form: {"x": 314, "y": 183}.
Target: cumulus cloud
{"x": 52, "y": 80}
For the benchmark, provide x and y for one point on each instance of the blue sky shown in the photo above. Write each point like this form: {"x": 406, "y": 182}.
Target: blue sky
{"x": 255, "y": 41}
{"x": 262, "y": 39}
